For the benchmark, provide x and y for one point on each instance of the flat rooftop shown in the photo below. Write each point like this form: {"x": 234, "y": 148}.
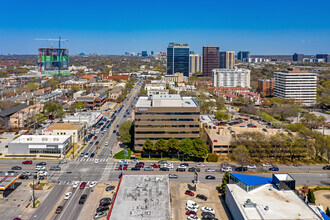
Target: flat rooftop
{"x": 64, "y": 126}
{"x": 144, "y": 197}
{"x": 7, "y": 180}
{"x": 282, "y": 204}
{"x": 27, "y": 139}
{"x": 169, "y": 100}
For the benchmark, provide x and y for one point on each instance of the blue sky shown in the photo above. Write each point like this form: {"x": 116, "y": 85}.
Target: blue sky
{"x": 113, "y": 27}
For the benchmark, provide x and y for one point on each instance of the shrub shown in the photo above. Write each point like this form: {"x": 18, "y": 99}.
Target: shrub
{"x": 212, "y": 157}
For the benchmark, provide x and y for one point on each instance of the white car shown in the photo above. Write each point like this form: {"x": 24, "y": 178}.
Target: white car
{"x": 192, "y": 208}
{"x": 86, "y": 155}
{"x": 96, "y": 160}
{"x": 252, "y": 166}
{"x": 267, "y": 165}
{"x": 75, "y": 184}
{"x": 68, "y": 195}
{"x": 135, "y": 161}
{"x": 200, "y": 165}
{"x": 207, "y": 209}
{"x": 209, "y": 170}
{"x": 169, "y": 165}
{"x": 192, "y": 204}
{"x": 192, "y": 217}
{"x": 105, "y": 129}
{"x": 42, "y": 173}
{"x": 182, "y": 166}
{"x": 226, "y": 169}
{"x": 40, "y": 168}
{"x": 92, "y": 184}
{"x": 97, "y": 131}
{"x": 106, "y": 143}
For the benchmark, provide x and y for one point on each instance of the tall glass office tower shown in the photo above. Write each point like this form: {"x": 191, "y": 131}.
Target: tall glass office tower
{"x": 178, "y": 59}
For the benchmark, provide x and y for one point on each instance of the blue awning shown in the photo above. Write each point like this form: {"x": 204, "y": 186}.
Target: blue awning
{"x": 250, "y": 180}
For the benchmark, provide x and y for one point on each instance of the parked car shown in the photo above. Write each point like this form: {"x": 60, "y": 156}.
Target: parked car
{"x": 99, "y": 215}
{"x": 27, "y": 162}
{"x": 192, "y": 217}
{"x": 83, "y": 198}
{"x": 264, "y": 130}
{"x": 82, "y": 185}
{"x": 59, "y": 209}
{"x": 190, "y": 193}
{"x": 188, "y": 212}
{"x": 210, "y": 177}
{"x": 241, "y": 169}
{"x": 202, "y": 197}
{"x": 192, "y": 203}
{"x": 209, "y": 170}
{"x": 172, "y": 176}
{"x": 109, "y": 188}
{"x": 102, "y": 209}
{"x": 207, "y": 209}
{"x": 208, "y": 216}
{"x": 67, "y": 195}
{"x": 274, "y": 169}
{"x": 105, "y": 203}
{"x": 97, "y": 143}
{"x": 105, "y": 199}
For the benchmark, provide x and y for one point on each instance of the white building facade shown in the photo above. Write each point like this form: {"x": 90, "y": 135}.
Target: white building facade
{"x": 297, "y": 85}
{"x": 231, "y": 78}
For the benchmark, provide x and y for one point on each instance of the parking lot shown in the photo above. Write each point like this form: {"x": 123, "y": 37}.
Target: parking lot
{"x": 179, "y": 199}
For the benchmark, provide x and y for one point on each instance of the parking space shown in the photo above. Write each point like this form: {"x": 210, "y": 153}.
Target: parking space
{"x": 5, "y": 138}
{"x": 179, "y": 199}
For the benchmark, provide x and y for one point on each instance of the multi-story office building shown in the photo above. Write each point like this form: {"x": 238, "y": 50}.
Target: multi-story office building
{"x": 195, "y": 63}
{"x": 243, "y": 56}
{"x": 178, "y": 59}
{"x": 231, "y": 78}
{"x": 53, "y": 61}
{"x": 210, "y": 60}
{"x": 298, "y": 57}
{"x": 144, "y": 53}
{"x": 227, "y": 60}
{"x": 165, "y": 116}
{"x": 296, "y": 84}
{"x": 266, "y": 87}
{"x": 326, "y": 57}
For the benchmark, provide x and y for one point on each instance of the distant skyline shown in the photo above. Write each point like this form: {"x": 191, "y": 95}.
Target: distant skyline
{"x": 282, "y": 27}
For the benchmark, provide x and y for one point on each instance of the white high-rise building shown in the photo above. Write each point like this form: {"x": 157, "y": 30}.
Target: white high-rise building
{"x": 296, "y": 84}
{"x": 195, "y": 63}
{"x": 231, "y": 78}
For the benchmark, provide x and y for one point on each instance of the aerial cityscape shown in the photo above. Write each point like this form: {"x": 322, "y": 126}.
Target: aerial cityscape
{"x": 165, "y": 110}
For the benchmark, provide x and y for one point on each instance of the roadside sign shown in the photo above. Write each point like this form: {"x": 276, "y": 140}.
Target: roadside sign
{"x": 125, "y": 152}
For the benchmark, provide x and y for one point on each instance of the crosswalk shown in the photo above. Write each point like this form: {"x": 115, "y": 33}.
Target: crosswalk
{"x": 90, "y": 159}
{"x": 107, "y": 171}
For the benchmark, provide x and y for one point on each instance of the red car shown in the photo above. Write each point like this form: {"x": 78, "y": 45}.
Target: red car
{"x": 82, "y": 185}
{"x": 27, "y": 162}
{"x": 97, "y": 143}
{"x": 154, "y": 165}
{"x": 253, "y": 126}
{"x": 188, "y": 192}
{"x": 95, "y": 137}
{"x": 191, "y": 213}
{"x": 122, "y": 168}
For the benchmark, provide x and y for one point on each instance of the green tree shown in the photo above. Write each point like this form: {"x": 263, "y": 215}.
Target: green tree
{"x": 222, "y": 116}
{"x": 55, "y": 109}
{"x": 173, "y": 146}
{"x": 200, "y": 149}
{"x": 30, "y": 87}
{"x": 239, "y": 101}
{"x": 124, "y": 131}
{"x": 241, "y": 155}
{"x": 311, "y": 196}
{"x": 161, "y": 146}
{"x": 225, "y": 180}
{"x": 149, "y": 146}
{"x": 79, "y": 105}
{"x": 36, "y": 120}
{"x": 327, "y": 211}
{"x": 186, "y": 147}
{"x": 212, "y": 157}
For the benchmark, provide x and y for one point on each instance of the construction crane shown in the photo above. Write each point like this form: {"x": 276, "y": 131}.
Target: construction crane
{"x": 59, "y": 50}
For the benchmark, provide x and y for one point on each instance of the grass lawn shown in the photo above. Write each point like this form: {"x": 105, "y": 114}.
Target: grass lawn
{"x": 120, "y": 154}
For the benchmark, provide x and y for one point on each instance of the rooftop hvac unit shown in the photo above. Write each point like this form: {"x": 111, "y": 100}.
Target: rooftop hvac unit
{"x": 56, "y": 139}
{"x": 44, "y": 139}
{"x": 249, "y": 204}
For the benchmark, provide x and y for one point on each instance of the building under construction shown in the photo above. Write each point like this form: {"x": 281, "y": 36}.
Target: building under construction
{"x": 51, "y": 62}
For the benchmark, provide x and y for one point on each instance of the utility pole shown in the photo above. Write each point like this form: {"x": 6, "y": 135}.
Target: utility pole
{"x": 33, "y": 199}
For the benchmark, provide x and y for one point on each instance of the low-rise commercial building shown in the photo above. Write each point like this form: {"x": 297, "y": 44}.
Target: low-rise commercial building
{"x": 40, "y": 144}
{"x": 21, "y": 118}
{"x": 76, "y": 130}
{"x": 177, "y": 78}
{"x": 70, "y": 84}
{"x": 297, "y": 85}
{"x": 256, "y": 198}
{"x": 231, "y": 78}
{"x": 165, "y": 117}
{"x": 90, "y": 118}
{"x": 92, "y": 101}
{"x": 144, "y": 197}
